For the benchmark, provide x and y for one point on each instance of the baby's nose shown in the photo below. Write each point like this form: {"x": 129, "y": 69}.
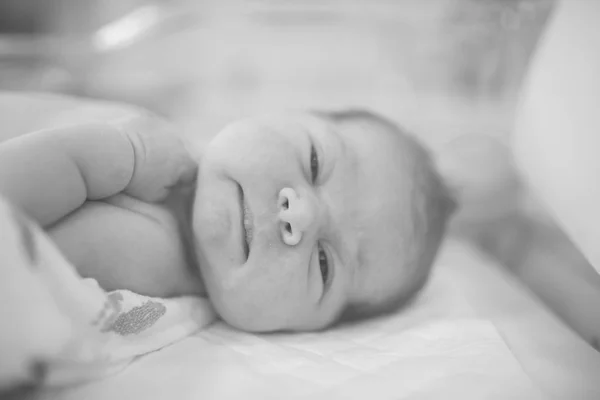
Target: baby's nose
{"x": 296, "y": 215}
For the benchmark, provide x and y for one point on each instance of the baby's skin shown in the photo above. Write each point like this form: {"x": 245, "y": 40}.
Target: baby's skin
{"x": 301, "y": 217}
{"x": 293, "y": 220}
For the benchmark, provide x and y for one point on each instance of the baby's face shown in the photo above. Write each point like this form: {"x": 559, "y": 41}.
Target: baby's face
{"x": 296, "y": 219}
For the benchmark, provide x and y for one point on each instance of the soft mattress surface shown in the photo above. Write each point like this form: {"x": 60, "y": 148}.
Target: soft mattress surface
{"x": 436, "y": 348}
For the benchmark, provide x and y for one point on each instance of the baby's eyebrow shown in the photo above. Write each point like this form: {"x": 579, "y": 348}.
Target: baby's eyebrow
{"x": 308, "y": 137}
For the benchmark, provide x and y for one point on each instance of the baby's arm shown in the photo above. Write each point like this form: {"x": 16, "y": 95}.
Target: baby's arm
{"x": 51, "y": 173}
{"x": 557, "y": 137}
{"x": 24, "y": 112}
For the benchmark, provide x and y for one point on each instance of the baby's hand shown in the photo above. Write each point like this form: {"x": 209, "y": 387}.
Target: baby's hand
{"x": 161, "y": 158}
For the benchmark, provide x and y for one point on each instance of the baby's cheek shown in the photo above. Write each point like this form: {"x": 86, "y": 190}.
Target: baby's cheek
{"x": 267, "y": 280}
{"x": 268, "y": 293}
{"x": 264, "y": 156}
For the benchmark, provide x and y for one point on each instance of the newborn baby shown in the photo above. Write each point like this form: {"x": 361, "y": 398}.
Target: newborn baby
{"x": 293, "y": 221}
{"x": 299, "y": 219}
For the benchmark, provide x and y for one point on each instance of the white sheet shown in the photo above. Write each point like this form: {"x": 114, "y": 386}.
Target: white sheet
{"x": 437, "y": 348}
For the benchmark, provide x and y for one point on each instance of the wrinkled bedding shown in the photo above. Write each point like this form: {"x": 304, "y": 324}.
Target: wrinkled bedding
{"x": 59, "y": 329}
{"x": 473, "y": 333}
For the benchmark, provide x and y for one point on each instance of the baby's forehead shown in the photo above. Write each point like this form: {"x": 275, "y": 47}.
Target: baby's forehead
{"x": 387, "y": 190}
{"x": 360, "y": 127}
{"x": 383, "y": 156}
{"x": 374, "y": 163}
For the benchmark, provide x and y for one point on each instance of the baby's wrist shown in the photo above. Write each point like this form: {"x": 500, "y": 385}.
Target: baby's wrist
{"x": 160, "y": 159}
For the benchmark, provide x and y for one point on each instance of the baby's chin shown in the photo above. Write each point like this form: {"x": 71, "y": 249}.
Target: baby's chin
{"x": 181, "y": 204}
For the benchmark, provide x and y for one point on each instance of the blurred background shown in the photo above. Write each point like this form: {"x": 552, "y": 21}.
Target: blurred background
{"x": 448, "y": 70}
{"x": 440, "y": 67}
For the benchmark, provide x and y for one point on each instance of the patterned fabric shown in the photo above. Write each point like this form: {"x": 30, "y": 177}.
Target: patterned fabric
{"x": 58, "y": 329}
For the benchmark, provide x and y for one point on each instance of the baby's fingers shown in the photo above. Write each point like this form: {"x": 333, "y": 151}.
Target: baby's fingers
{"x": 189, "y": 171}
{"x": 161, "y": 158}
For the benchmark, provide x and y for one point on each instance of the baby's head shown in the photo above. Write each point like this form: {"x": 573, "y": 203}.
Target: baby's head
{"x": 301, "y": 218}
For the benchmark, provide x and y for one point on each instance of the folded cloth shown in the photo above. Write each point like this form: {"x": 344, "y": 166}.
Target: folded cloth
{"x": 59, "y": 329}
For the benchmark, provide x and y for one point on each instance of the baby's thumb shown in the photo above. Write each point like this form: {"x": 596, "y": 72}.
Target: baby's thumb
{"x": 162, "y": 159}
{"x": 188, "y": 169}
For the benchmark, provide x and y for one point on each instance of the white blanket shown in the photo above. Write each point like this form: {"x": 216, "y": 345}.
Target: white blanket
{"x": 437, "y": 348}
{"x": 58, "y": 328}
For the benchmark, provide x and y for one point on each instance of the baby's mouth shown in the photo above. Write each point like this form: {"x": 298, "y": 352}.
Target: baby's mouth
{"x": 247, "y": 223}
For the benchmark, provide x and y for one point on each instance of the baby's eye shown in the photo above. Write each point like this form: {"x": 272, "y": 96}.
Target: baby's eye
{"x": 314, "y": 163}
{"x": 323, "y": 264}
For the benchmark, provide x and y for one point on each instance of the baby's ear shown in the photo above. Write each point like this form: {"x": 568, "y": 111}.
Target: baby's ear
{"x": 448, "y": 194}
{"x": 451, "y": 204}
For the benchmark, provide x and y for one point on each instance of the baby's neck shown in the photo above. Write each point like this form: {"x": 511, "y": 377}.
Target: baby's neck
{"x": 180, "y": 203}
